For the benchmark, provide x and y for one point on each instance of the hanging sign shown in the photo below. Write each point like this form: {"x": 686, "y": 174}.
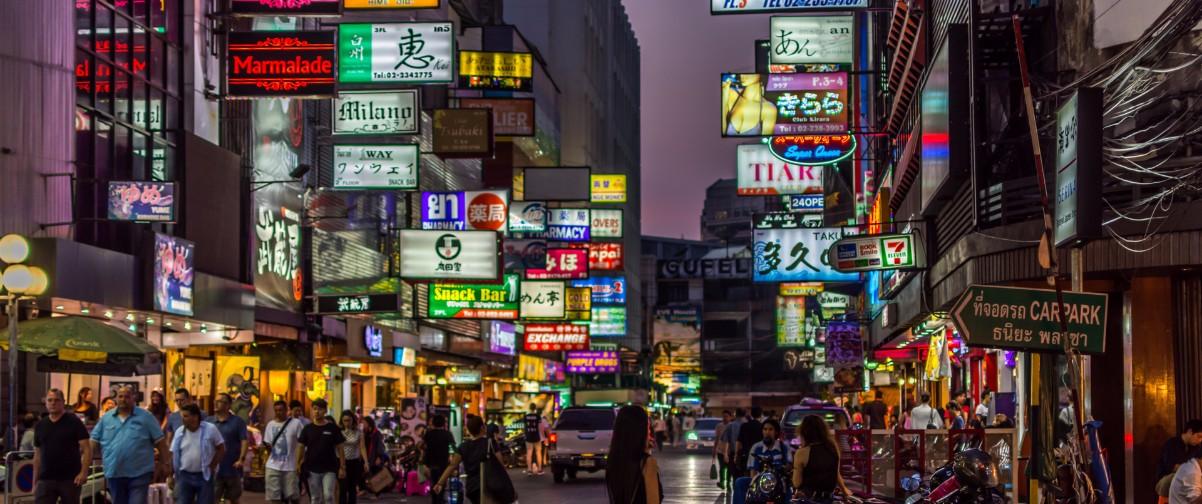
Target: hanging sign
{"x": 362, "y": 303}
{"x": 605, "y": 256}
{"x": 812, "y": 150}
{"x": 844, "y": 348}
{"x": 410, "y": 53}
{"x": 784, "y": 104}
{"x": 801, "y": 288}
{"x": 510, "y": 117}
{"x": 477, "y": 210}
{"x": 763, "y": 6}
{"x": 790, "y": 321}
{"x": 556, "y": 337}
{"x": 797, "y": 255}
{"x": 591, "y": 362}
{"x": 449, "y": 255}
{"x": 1029, "y": 319}
{"x": 521, "y": 255}
{"x": 463, "y": 133}
{"x": 606, "y": 223}
{"x": 474, "y": 301}
{"x": 383, "y": 167}
{"x": 173, "y": 274}
{"x": 606, "y": 289}
{"x": 527, "y": 217}
{"x": 761, "y": 173}
{"x": 568, "y": 225}
{"x": 579, "y": 303}
{"x": 140, "y": 201}
{"x": 286, "y": 7}
{"x": 542, "y": 300}
{"x": 280, "y": 63}
{"x": 502, "y": 338}
{"x": 785, "y": 220}
{"x": 505, "y": 71}
{"x": 876, "y": 252}
{"x": 464, "y": 378}
{"x": 811, "y": 39}
{"x": 377, "y": 113}
{"x": 391, "y": 4}
{"x": 806, "y": 202}
{"x": 562, "y": 264}
{"x": 608, "y": 188}
{"x": 1079, "y": 168}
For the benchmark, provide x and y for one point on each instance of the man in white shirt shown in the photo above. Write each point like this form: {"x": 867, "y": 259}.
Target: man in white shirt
{"x": 282, "y": 482}
{"x": 982, "y": 411}
{"x": 1187, "y": 484}
{"x": 924, "y": 416}
{"x": 196, "y": 449}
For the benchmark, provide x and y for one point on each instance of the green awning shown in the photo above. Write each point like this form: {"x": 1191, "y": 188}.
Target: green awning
{"x": 88, "y": 343}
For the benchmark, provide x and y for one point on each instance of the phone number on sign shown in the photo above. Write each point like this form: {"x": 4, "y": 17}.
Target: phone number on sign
{"x": 402, "y": 75}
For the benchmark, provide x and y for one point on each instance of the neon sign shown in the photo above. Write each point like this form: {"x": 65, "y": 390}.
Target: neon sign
{"x": 812, "y": 150}
{"x": 299, "y": 63}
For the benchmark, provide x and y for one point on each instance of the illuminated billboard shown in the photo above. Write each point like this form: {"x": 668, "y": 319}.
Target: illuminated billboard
{"x": 504, "y": 71}
{"x": 797, "y": 255}
{"x": 280, "y": 63}
{"x": 399, "y": 53}
{"x": 760, "y": 173}
{"x": 784, "y": 104}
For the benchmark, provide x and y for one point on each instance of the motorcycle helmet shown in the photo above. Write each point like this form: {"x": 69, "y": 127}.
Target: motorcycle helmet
{"x": 975, "y": 468}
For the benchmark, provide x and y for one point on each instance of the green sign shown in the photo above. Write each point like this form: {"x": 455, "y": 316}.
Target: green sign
{"x": 1029, "y": 319}
{"x": 875, "y": 253}
{"x": 474, "y": 301}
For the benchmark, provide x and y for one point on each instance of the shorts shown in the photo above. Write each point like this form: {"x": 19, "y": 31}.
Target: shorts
{"x": 228, "y": 488}
{"x": 281, "y": 485}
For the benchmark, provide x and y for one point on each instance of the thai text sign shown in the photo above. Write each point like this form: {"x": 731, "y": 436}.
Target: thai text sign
{"x": 391, "y": 4}
{"x": 790, "y": 321}
{"x": 608, "y": 321}
{"x": 568, "y": 225}
{"x": 844, "y": 347}
{"x": 449, "y": 255}
{"x": 608, "y": 188}
{"x": 286, "y": 7}
{"x": 784, "y": 104}
{"x": 606, "y": 289}
{"x": 396, "y": 53}
{"x": 797, "y": 255}
{"x": 510, "y": 117}
{"x": 556, "y": 337}
{"x": 812, "y": 149}
{"x": 463, "y": 133}
{"x": 606, "y": 223}
{"x": 543, "y": 300}
{"x": 280, "y": 63}
{"x": 377, "y": 113}
{"x": 811, "y": 39}
{"x": 760, "y": 173}
{"x": 142, "y": 201}
{"x": 474, "y": 301}
{"x": 876, "y": 252}
{"x": 480, "y": 210}
{"x": 386, "y": 167}
{"x": 763, "y": 6}
{"x": 1030, "y": 319}
{"x": 592, "y": 361}
{"x": 507, "y": 71}
{"x": 561, "y": 264}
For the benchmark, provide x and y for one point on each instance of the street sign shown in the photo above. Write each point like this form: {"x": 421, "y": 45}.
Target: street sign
{"x": 1029, "y": 319}
{"x": 876, "y": 252}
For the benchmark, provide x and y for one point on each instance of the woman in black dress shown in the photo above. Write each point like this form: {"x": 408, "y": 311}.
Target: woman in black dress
{"x": 631, "y": 473}
{"x": 473, "y": 453}
{"x": 816, "y": 463}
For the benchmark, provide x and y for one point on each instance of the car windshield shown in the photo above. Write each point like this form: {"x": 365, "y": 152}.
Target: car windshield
{"x": 793, "y": 417}
{"x": 586, "y": 420}
{"x": 707, "y": 424}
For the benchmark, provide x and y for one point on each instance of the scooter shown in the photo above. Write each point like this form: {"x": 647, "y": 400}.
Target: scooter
{"x": 971, "y": 477}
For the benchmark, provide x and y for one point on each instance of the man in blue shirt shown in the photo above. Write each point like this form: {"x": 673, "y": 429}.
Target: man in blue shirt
{"x": 127, "y": 437}
{"x": 776, "y": 451}
{"x": 175, "y": 420}
{"x": 227, "y": 485}
{"x": 196, "y": 449}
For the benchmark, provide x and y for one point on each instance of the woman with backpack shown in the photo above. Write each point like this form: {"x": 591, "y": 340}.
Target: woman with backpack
{"x": 486, "y": 481}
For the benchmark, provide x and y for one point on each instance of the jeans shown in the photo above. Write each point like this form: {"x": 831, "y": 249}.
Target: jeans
{"x": 130, "y": 490}
{"x": 321, "y": 488}
{"x": 56, "y": 492}
{"x": 348, "y": 487}
{"x": 191, "y": 488}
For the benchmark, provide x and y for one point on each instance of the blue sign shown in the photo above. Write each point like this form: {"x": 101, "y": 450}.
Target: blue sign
{"x": 607, "y": 290}
{"x": 797, "y": 255}
{"x": 807, "y": 202}
{"x": 568, "y": 225}
{"x": 444, "y": 210}
{"x": 173, "y": 274}
{"x": 142, "y": 201}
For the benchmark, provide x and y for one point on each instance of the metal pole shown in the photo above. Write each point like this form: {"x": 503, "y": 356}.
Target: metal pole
{"x": 1077, "y": 272}
{"x": 13, "y": 310}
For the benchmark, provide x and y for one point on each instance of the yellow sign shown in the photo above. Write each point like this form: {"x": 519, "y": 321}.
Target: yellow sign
{"x": 238, "y": 376}
{"x": 532, "y": 368}
{"x": 496, "y": 64}
{"x": 390, "y": 4}
{"x": 800, "y": 288}
{"x": 608, "y": 188}
{"x": 578, "y": 303}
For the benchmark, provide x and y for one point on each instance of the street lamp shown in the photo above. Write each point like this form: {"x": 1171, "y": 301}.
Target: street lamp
{"x": 20, "y": 282}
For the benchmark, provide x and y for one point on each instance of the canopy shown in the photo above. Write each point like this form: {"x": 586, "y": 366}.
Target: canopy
{"x": 86, "y": 345}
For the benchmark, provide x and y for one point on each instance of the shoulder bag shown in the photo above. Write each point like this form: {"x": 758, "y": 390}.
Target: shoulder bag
{"x": 496, "y": 480}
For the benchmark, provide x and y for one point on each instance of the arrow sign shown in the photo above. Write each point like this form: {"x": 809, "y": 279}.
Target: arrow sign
{"x": 1029, "y": 319}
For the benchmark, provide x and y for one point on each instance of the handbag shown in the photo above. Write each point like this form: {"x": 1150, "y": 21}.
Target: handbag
{"x": 713, "y": 470}
{"x": 380, "y": 481}
{"x": 496, "y": 480}
{"x": 931, "y": 420}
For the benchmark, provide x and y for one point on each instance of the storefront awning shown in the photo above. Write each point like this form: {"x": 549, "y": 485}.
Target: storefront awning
{"x": 86, "y": 345}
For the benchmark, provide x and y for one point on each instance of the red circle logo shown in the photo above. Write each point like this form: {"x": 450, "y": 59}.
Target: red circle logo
{"x": 487, "y": 211}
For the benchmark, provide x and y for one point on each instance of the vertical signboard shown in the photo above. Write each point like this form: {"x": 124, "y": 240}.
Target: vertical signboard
{"x": 405, "y": 53}
{"x": 475, "y": 210}
{"x": 280, "y": 63}
{"x": 173, "y": 274}
{"x": 1079, "y": 168}
{"x": 811, "y": 39}
{"x": 385, "y": 167}
{"x": 502, "y": 338}
{"x": 279, "y": 126}
{"x": 377, "y": 113}
{"x": 391, "y": 4}
{"x": 790, "y": 321}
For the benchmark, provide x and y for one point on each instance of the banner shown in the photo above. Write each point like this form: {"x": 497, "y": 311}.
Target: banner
{"x": 378, "y": 112}
{"x": 142, "y": 201}
{"x": 784, "y": 104}
{"x": 510, "y": 117}
{"x": 797, "y": 255}
{"x": 503, "y": 71}
{"x": 606, "y": 223}
{"x": 280, "y": 63}
{"x": 542, "y": 300}
{"x": 474, "y": 301}
{"x": 607, "y": 290}
{"x": 404, "y": 53}
{"x": 608, "y": 188}
{"x": 173, "y": 274}
{"x": 592, "y": 362}
{"x": 449, "y": 255}
{"x": 385, "y": 167}
{"x": 463, "y": 133}
{"x": 556, "y": 337}
{"x": 568, "y": 225}
{"x": 359, "y": 303}
{"x": 811, "y": 39}
{"x": 280, "y": 129}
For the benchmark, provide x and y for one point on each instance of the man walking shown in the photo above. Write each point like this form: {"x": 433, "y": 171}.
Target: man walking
{"x": 924, "y": 416}
{"x": 64, "y": 467}
{"x": 196, "y": 449}
{"x": 750, "y": 433}
{"x": 320, "y": 456}
{"x": 720, "y": 447}
{"x": 876, "y": 411}
{"x": 228, "y": 482}
{"x": 128, "y": 436}
{"x": 532, "y": 426}
{"x": 281, "y": 482}
{"x": 437, "y": 446}
{"x": 175, "y": 420}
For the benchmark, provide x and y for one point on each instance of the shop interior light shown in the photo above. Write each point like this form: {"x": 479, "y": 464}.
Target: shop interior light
{"x": 204, "y": 328}
{"x": 130, "y": 317}
{"x": 443, "y": 381}
{"x": 149, "y": 321}
{"x": 133, "y": 328}
{"x": 14, "y": 248}
{"x": 350, "y": 365}
{"x": 85, "y": 310}
{"x": 167, "y": 323}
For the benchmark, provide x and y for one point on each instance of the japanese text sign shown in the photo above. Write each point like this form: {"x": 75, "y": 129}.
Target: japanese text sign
{"x": 396, "y": 53}
{"x": 449, "y": 255}
{"x": 608, "y": 188}
{"x": 377, "y": 113}
{"x": 796, "y": 255}
{"x": 784, "y": 104}
{"x": 508, "y": 71}
{"x": 363, "y": 303}
{"x": 568, "y": 225}
{"x": 384, "y": 167}
{"x": 562, "y": 264}
{"x": 478, "y": 210}
{"x": 592, "y": 361}
{"x": 760, "y": 173}
{"x": 811, "y": 39}
{"x": 142, "y": 201}
{"x": 556, "y": 337}
{"x": 606, "y": 289}
{"x": 280, "y": 63}
{"x": 474, "y": 301}
{"x": 543, "y": 300}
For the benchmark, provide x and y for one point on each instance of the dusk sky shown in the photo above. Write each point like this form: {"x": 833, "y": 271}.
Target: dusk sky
{"x": 684, "y": 49}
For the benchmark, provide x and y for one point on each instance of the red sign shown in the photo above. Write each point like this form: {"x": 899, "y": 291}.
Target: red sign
{"x": 603, "y": 256}
{"x": 286, "y": 7}
{"x": 562, "y": 264}
{"x": 510, "y": 117}
{"x": 487, "y": 211}
{"x": 289, "y": 63}
{"x": 556, "y": 337}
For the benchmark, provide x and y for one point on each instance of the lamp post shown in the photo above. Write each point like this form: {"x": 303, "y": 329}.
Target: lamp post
{"x": 19, "y": 282}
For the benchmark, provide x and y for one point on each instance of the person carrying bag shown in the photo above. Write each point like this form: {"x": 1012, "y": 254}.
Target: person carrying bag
{"x": 487, "y": 482}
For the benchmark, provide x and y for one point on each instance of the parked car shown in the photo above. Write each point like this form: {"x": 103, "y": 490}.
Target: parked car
{"x": 579, "y": 441}
{"x": 703, "y": 434}
{"x": 835, "y": 417}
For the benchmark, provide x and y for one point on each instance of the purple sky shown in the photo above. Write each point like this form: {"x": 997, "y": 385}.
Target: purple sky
{"x": 684, "y": 50}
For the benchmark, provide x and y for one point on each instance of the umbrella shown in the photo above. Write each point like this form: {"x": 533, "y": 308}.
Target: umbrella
{"x": 81, "y": 344}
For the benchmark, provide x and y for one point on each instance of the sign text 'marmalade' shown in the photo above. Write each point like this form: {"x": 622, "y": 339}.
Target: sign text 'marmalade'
{"x": 251, "y": 65}
{"x": 281, "y": 64}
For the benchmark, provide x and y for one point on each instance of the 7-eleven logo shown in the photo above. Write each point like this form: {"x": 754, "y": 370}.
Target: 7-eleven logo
{"x": 897, "y": 251}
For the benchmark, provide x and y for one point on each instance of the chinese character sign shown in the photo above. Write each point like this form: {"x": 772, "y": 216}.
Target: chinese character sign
{"x": 568, "y": 224}
{"x": 543, "y": 300}
{"x": 797, "y": 255}
{"x": 811, "y": 39}
{"x": 449, "y": 255}
{"x": 393, "y": 167}
{"x": 477, "y": 210}
{"x": 556, "y": 337}
{"x": 608, "y": 188}
{"x": 280, "y": 127}
{"x": 396, "y": 53}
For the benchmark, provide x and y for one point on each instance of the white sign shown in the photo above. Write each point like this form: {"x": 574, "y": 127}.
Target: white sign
{"x": 797, "y": 255}
{"x": 762, "y": 174}
{"x": 811, "y": 39}
{"x": 377, "y": 113}
{"x": 527, "y": 217}
{"x": 396, "y": 52}
{"x": 392, "y": 167}
{"x": 568, "y": 225}
{"x": 543, "y": 300}
{"x": 606, "y": 223}
{"x": 453, "y": 255}
{"x": 762, "y": 6}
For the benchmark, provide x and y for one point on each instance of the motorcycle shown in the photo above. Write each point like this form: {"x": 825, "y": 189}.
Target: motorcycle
{"x": 971, "y": 477}
{"x": 773, "y": 485}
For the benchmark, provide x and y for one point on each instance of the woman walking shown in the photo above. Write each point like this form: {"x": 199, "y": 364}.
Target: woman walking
{"x": 632, "y": 475}
{"x": 474, "y": 453}
{"x": 816, "y": 463}
{"x": 661, "y": 432}
{"x": 355, "y": 453}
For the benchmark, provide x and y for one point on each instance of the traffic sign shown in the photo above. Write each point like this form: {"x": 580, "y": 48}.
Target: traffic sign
{"x": 1029, "y": 319}
{"x": 876, "y": 252}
